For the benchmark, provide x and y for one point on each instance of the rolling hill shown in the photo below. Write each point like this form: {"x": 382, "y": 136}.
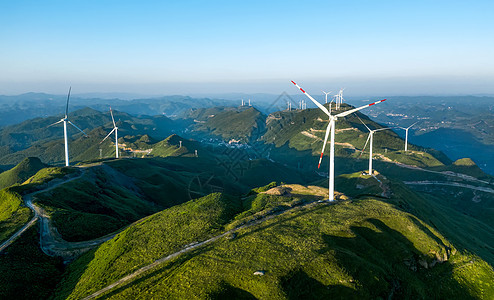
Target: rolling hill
{"x": 364, "y": 248}
{"x": 20, "y": 173}
{"x": 246, "y": 220}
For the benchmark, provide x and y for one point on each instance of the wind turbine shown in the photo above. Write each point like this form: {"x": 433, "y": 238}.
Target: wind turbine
{"x": 406, "y": 135}
{"x": 339, "y": 98}
{"x": 371, "y": 139}
{"x": 326, "y": 96}
{"x": 65, "y": 120}
{"x": 115, "y": 128}
{"x": 331, "y": 127}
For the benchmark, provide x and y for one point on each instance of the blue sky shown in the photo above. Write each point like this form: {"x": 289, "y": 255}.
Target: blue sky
{"x": 187, "y": 47}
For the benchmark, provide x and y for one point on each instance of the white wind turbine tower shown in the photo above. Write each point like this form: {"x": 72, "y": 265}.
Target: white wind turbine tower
{"x": 339, "y": 98}
{"x": 331, "y": 127}
{"x": 115, "y": 128}
{"x": 406, "y": 134}
{"x": 371, "y": 139}
{"x": 326, "y": 94}
{"x": 65, "y": 120}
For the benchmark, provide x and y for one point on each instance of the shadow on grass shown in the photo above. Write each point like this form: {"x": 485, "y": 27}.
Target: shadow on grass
{"x": 73, "y": 274}
{"x": 428, "y": 232}
{"x": 229, "y": 292}
{"x": 26, "y": 272}
{"x": 385, "y": 264}
{"x": 299, "y": 285}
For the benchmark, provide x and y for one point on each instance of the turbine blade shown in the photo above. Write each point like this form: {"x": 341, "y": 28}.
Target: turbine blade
{"x": 411, "y": 125}
{"x": 67, "y": 106}
{"x": 107, "y": 135}
{"x": 346, "y": 113}
{"x": 77, "y": 128}
{"x": 324, "y": 109}
{"x": 380, "y": 129}
{"x": 368, "y": 137}
{"x": 54, "y": 123}
{"x": 111, "y": 113}
{"x": 363, "y": 122}
{"x": 328, "y": 129}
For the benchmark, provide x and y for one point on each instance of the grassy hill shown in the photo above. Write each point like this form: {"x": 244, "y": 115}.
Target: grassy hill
{"x": 243, "y": 123}
{"x": 20, "y": 173}
{"x": 12, "y": 214}
{"x": 35, "y": 138}
{"x": 365, "y": 248}
{"x": 303, "y": 130}
{"x": 113, "y": 194}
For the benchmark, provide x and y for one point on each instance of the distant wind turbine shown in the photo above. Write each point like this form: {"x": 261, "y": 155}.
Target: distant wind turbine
{"x": 326, "y": 94}
{"x": 65, "y": 120}
{"x": 331, "y": 127}
{"x": 339, "y": 98}
{"x": 371, "y": 139}
{"x": 115, "y": 128}
{"x": 406, "y": 134}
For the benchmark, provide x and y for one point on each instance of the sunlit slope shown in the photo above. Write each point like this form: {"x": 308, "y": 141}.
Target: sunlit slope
{"x": 12, "y": 214}
{"x": 364, "y": 248}
{"x": 25, "y": 169}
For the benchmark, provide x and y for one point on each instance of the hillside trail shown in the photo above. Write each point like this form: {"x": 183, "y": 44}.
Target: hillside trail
{"x": 51, "y": 242}
{"x": 27, "y": 200}
{"x": 455, "y": 184}
{"x": 445, "y": 173}
{"x": 193, "y": 246}
{"x": 386, "y": 190}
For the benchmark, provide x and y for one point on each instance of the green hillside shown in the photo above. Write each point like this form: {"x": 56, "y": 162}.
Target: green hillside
{"x": 244, "y": 123}
{"x": 303, "y": 130}
{"x": 171, "y": 147}
{"x": 12, "y": 214}
{"x": 26, "y": 272}
{"x": 364, "y": 248}
{"x": 113, "y": 194}
{"x": 35, "y": 138}
{"x": 421, "y": 221}
{"x": 20, "y": 173}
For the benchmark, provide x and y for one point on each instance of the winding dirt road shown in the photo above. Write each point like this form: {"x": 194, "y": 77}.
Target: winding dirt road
{"x": 51, "y": 242}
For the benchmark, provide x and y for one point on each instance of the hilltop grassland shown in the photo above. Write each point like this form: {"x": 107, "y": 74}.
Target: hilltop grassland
{"x": 364, "y": 248}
